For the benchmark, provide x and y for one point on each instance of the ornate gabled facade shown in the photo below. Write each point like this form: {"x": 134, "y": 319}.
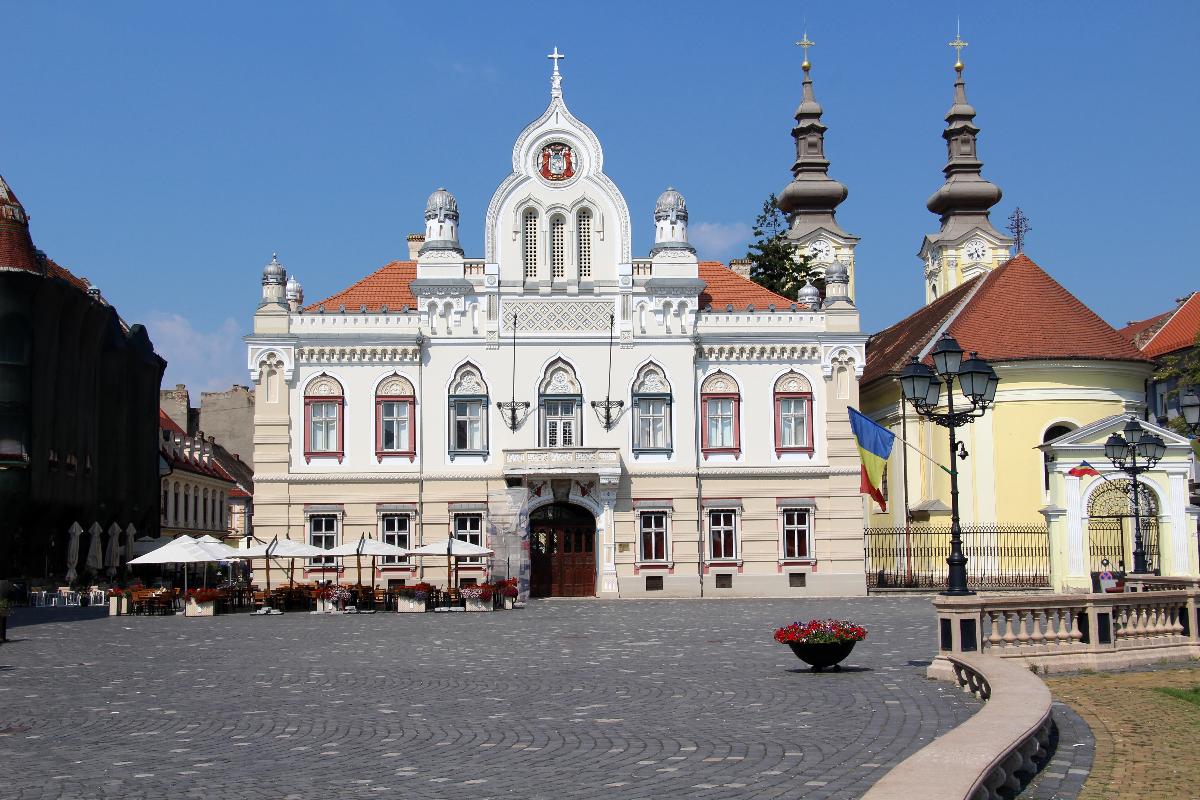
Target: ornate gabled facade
{"x": 673, "y": 427}
{"x": 968, "y": 245}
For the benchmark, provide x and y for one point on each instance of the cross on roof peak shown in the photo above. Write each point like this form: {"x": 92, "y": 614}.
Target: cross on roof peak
{"x": 555, "y": 77}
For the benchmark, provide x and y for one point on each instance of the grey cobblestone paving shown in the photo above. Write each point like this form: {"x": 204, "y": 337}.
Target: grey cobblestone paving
{"x": 566, "y": 699}
{"x": 1063, "y": 777}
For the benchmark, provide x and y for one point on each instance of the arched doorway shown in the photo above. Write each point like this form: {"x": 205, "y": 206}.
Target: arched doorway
{"x": 562, "y": 551}
{"x": 1110, "y": 525}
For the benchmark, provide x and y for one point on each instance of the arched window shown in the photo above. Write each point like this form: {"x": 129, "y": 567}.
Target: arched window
{"x": 162, "y": 511}
{"x": 793, "y": 414}
{"x": 585, "y": 243}
{"x": 560, "y": 401}
{"x": 222, "y": 523}
{"x": 395, "y": 419}
{"x": 195, "y": 507}
{"x": 468, "y": 413}
{"x": 720, "y": 406}
{"x": 529, "y": 244}
{"x": 176, "y": 512}
{"x": 558, "y": 248}
{"x": 204, "y": 517}
{"x": 651, "y": 411}
{"x": 324, "y": 407}
{"x": 1052, "y": 433}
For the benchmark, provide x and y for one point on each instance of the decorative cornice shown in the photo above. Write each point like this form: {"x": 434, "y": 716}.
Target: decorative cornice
{"x": 759, "y": 352}
{"x": 361, "y": 354}
{"x": 493, "y": 475}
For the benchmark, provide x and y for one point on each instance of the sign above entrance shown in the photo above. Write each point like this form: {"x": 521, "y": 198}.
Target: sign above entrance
{"x": 574, "y": 461}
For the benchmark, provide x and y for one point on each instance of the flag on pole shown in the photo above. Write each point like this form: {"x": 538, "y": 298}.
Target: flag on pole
{"x": 874, "y": 447}
{"x": 1083, "y": 469}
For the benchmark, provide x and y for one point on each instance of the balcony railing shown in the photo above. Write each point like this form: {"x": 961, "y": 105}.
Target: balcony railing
{"x": 544, "y": 460}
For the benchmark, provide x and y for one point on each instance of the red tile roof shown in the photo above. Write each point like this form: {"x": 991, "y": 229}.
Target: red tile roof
{"x": 389, "y": 285}
{"x": 167, "y": 424}
{"x": 16, "y": 247}
{"x": 386, "y": 286}
{"x": 1177, "y": 331}
{"x": 1017, "y": 312}
{"x": 212, "y": 469}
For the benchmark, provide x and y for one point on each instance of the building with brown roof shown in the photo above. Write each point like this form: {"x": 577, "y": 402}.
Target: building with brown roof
{"x": 78, "y": 401}
{"x": 666, "y": 426}
{"x": 1166, "y": 337}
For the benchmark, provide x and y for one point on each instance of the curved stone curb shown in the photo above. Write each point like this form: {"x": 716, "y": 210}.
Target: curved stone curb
{"x": 993, "y": 754}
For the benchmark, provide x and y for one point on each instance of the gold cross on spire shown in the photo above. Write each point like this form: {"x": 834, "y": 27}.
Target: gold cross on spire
{"x": 958, "y": 44}
{"x": 805, "y": 43}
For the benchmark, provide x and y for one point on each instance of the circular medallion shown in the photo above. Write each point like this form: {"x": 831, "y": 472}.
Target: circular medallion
{"x": 557, "y": 162}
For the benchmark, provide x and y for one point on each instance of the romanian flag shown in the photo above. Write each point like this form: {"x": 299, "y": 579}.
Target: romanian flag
{"x": 1083, "y": 469}
{"x": 874, "y": 447}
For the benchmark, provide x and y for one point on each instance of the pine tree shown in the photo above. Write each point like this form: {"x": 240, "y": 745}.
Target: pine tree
{"x": 775, "y": 264}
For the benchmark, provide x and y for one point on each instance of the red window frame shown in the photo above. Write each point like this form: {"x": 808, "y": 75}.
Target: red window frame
{"x": 411, "y": 451}
{"x": 736, "y": 448}
{"x": 807, "y": 447}
{"x": 340, "y": 452}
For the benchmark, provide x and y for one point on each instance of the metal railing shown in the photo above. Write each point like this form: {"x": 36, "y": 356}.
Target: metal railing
{"x": 998, "y": 557}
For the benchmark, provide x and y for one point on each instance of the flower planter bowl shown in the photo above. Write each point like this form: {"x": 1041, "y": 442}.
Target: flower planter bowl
{"x": 409, "y": 605}
{"x": 820, "y": 655}
{"x": 477, "y": 604}
{"x": 116, "y": 606}
{"x": 192, "y": 609}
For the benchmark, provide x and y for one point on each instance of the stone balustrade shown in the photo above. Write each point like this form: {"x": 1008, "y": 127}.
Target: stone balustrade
{"x": 603, "y": 461}
{"x": 990, "y": 756}
{"x": 1070, "y": 632}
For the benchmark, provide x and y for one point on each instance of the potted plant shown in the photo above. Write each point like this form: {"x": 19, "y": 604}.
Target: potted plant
{"x": 5, "y": 610}
{"x": 508, "y": 590}
{"x": 477, "y": 597}
{"x": 411, "y": 599}
{"x": 116, "y": 602}
{"x": 201, "y": 603}
{"x": 821, "y": 643}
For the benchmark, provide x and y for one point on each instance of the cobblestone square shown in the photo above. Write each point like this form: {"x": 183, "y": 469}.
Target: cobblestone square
{"x": 575, "y": 699}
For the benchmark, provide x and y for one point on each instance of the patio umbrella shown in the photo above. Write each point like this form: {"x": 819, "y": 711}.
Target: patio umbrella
{"x": 126, "y": 548}
{"x": 95, "y": 555}
{"x": 112, "y": 551}
{"x": 75, "y": 531}
{"x": 218, "y": 548}
{"x": 280, "y": 548}
{"x": 366, "y": 546}
{"x": 183, "y": 550}
{"x": 452, "y": 549}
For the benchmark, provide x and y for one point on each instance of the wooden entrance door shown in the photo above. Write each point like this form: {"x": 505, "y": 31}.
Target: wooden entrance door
{"x": 562, "y": 551}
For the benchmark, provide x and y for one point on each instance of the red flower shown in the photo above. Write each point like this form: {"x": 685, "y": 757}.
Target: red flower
{"x": 817, "y": 631}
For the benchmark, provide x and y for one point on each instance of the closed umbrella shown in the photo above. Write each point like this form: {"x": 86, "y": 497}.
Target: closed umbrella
{"x": 75, "y": 531}
{"x": 112, "y": 551}
{"x": 125, "y": 549}
{"x": 452, "y": 549}
{"x": 95, "y": 553}
{"x": 365, "y": 546}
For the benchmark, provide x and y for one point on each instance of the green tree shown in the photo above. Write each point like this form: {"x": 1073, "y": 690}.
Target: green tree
{"x": 1185, "y": 369}
{"x": 774, "y": 262}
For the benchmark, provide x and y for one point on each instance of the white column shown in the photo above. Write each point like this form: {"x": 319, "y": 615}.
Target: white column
{"x": 607, "y": 534}
{"x": 1180, "y": 532}
{"x": 1076, "y": 561}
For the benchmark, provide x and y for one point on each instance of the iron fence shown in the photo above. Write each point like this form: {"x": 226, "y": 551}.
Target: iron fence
{"x": 998, "y": 557}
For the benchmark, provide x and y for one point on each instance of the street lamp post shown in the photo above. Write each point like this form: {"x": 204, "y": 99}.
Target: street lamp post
{"x": 922, "y": 387}
{"x": 1135, "y": 452}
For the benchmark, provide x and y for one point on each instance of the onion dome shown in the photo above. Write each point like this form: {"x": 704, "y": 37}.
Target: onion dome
{"x": 837, "y": 272}
{"x": 965, "y": 192}
{"x": 809, "y": 295}
{"x": 441, "y": 206}
{"x": 273, "y": 273}
{"x": 16, "y": 247}
{"x": 670, "y": 206}
{"x": 812, "y": 192}
{"x": 293, "y": 292}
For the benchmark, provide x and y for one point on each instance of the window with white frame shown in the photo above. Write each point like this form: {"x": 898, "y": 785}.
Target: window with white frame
{"x": 719, "y": 413}
{"x": 558, "y": 247}
{"x": 394, "y": 421}
{"x": 469, "y": 528}
{"x": 324, "y": 426}
{"x": 468, "y": 412}
{"x": 651, "y": 411}
{"x": 468, "y": 425}
{"x": 324, "y": 402}
{"x": 323, "y": 533}
{"x": 395, "y": 426}
{"x": 720, "y": 430}
{"x": 793, "y": 414}
{"x": 560, "y": 401}
{"x": 797, "y": 533}
{"x": 653, "y": 537}
{"x": 722, "y": 534}
{"x": 585, "y": 243}
{"x": 396, "y": 531}
{"x": 529, "y": 244}
{"x": 560, "y": 423}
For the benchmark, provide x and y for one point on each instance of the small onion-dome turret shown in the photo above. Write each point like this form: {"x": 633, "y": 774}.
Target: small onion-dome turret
{"x": 273, "y": 273}
{"x": 837, "y": 272}
{"x": 809, "y": 295}
{"x": 670, "y": 223}
{"x": 441, "y": 206}
{"x": 441, "y": 223}
{"x": 293, "y": 292}
{"x": 670, "y": 206}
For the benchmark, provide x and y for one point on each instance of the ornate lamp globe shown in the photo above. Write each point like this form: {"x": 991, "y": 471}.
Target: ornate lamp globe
{"x": 1189, "y": 406}
{"x": 914, "y": 380}
{"x": 1114, "y": 447}
{"x": 989, "y": 396}
{"x": 947, "y": 355}
{"x": 1132, "y": 432}
{"x": 974, "y": 374}
{"x": 1151, "y": 447}
{"x": 934, "y": 394}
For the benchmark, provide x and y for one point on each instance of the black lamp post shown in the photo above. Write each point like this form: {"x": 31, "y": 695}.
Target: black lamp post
{"x": 1189, "y": 407}
{"x": 1133, "y": 453}
{"x": 922, "y": 387}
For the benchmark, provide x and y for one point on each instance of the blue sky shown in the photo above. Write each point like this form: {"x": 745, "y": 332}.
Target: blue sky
{"x": 165, "y": 151}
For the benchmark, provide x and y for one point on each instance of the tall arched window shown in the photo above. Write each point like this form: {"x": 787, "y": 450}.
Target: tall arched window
{"x": 1052, "y": 433}
{"x": 651, "y": 411}
{"x": 793, "y": 414}
{"x": 720, "y": 425}
{"x": 176, "y": 512}
{"x": 529, "y": 244}
{"x": 324, "y": 407}
{"x": 395, "y": 419}
{"x": 204, "y": 510}
{"x": 468, "y": 413}
{"x": 585, "y": 243}
{"x": 560, "y": 401}
{"x": 558, "y": 247}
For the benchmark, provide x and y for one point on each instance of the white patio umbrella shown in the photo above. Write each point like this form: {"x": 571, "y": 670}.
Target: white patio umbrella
{"x": 112, "y": 550}
{"x": 280, "y": 548}
{"x": 183, "y": 550}
{"x": 222, "y": 551}
{"x": 366, "y": 546}
{"x": 75, "y": 531}
{"x": 452, "y": 549}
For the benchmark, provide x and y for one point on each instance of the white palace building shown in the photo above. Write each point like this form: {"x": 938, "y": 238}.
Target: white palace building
{"x": 712, "y": 458}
